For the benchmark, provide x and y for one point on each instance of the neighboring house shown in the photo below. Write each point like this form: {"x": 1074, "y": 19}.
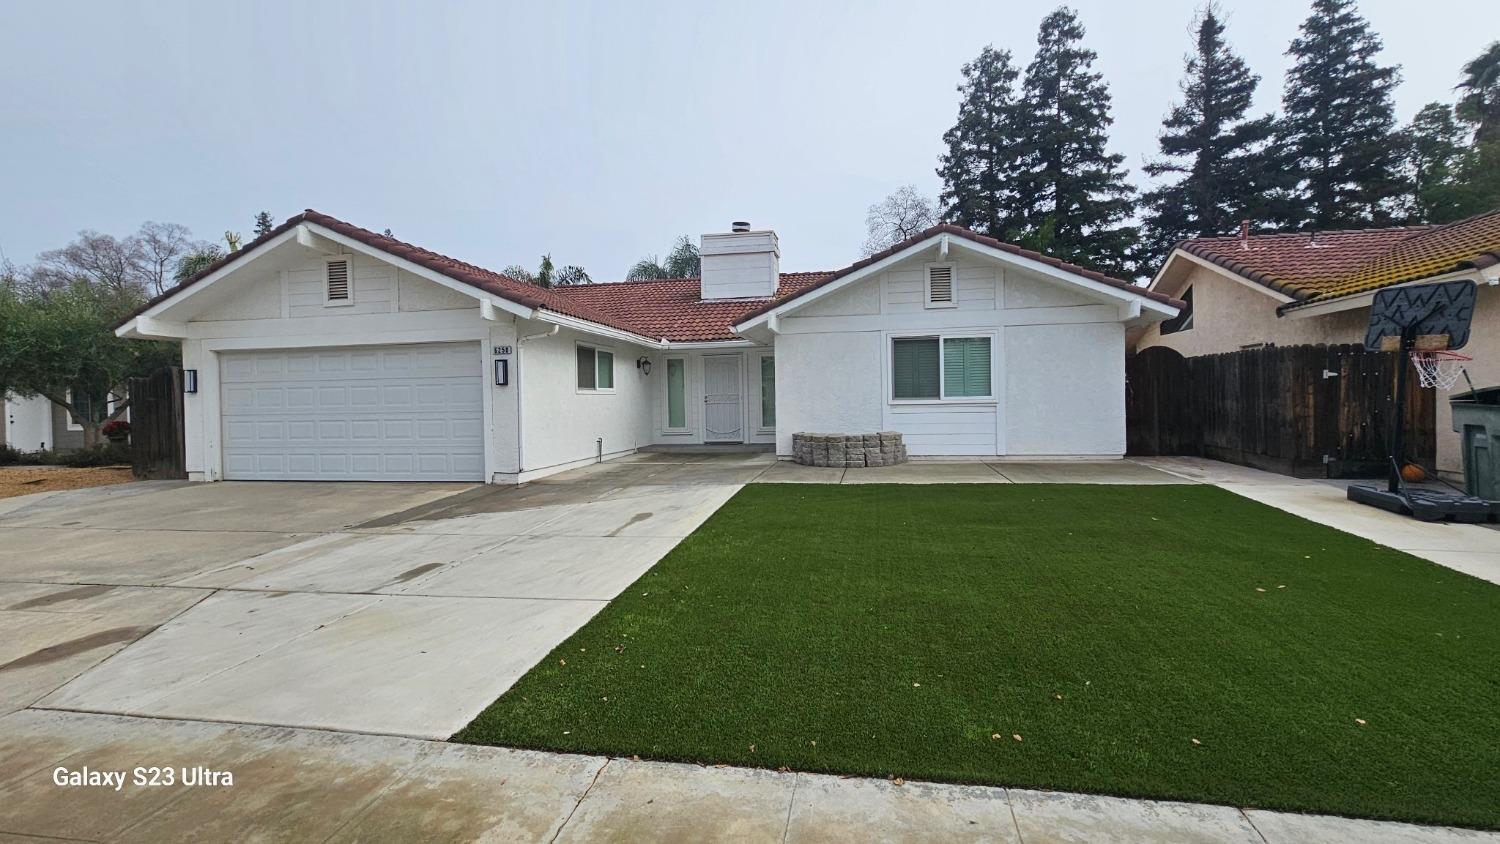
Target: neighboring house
{"x": 1288, "y": 289}
{"x": 325, "y": 351}
{"x": 36, "y": 424}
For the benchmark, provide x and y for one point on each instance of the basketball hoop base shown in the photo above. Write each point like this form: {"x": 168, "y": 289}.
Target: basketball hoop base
{"x": 1426, "y": 505}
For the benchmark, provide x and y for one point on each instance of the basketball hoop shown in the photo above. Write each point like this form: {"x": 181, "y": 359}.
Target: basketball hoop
{"x": 1439, "y": 367}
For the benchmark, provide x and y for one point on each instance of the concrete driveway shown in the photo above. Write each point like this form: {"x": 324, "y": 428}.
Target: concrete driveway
{"x": 381, "y": 608}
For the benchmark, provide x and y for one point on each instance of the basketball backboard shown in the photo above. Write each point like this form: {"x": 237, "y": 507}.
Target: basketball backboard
{"x": 1437, "y": 315}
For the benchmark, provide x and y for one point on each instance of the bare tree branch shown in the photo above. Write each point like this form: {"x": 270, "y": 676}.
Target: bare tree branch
{"x": 897, "y": 217}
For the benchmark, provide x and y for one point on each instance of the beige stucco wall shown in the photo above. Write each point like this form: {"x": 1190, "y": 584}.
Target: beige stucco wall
{"x": 1229, "y": 315}
{"x": 1484, "y": 347}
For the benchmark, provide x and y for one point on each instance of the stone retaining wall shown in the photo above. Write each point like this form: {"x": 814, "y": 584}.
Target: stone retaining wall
{"x": 849, "y": 450}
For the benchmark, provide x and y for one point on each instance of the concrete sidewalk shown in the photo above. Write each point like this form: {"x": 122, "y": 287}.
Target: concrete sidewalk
{"x": 310, "y": 785}
{"x": 1471, "y": 549}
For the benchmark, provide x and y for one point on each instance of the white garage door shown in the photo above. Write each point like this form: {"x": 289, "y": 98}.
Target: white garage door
{"x": 377, "y": 413}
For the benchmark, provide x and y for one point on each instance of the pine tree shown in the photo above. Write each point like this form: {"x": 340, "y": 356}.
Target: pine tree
{"x": 983, "y": 162}
{"x": 1337, "y": 134}
{"x": 1432, "y": 151}
{"x": 1218, "y": 153}
{"x": 1078, "y": 201}
{"x": 1480, "y": 103}
{"x": 264, "y": 223}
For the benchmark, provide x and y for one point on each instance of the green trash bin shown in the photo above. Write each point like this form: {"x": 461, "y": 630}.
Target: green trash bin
{"x": 1476, "y": 419}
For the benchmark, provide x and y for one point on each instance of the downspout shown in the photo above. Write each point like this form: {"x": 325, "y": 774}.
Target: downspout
{"x": 520, "y": 386}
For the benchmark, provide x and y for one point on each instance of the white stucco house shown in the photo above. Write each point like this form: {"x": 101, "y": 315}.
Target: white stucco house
{"x": 325, "y": 351}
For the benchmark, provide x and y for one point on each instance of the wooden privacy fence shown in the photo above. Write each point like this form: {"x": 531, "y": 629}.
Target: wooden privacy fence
{"x": 1308, "y": 411}
{"x": 156, "y": 441}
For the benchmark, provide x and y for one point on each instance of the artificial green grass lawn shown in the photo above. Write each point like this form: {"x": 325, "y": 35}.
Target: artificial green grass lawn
{"x": 898, "y": 630}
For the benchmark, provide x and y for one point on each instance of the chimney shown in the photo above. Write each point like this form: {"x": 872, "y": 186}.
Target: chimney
{"x": 740, "y": 264}
{"x": 1244, "y": 234}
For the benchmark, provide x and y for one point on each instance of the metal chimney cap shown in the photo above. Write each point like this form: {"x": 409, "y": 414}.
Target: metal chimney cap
{"x": 739, "y": 227}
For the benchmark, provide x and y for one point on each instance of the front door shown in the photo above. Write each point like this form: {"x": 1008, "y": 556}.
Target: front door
{"x": 723, "y": 400}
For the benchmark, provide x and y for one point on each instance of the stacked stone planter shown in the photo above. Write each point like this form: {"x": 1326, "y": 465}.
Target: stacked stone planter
{"x": 849, "y": 451}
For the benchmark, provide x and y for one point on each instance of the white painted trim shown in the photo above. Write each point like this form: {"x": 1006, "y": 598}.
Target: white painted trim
{"x": 1226, "y": 273}
{"x": 927, "y": 300}
{"x": 596, "y": 348}
{"x": 211, "y": 367}
{"x": 241, "y": 258}
{"x": 594, "y": 328}
{"x": 1107, "y": 291}
{"x": 839, "y": 284}
{"x": 348, "y": 300}
{"x": 422, "y": 272}
{"x": 740, "y": 377}
{"x": 761, "y": 428}
{"x": 667, "y": 429}
{"x": 314, "y": 231}
{"x": 712, "y": 344}
{"x": 941, "y": 336}
{"x": 1365, "y": 299}
{"x": 145, "y": 326}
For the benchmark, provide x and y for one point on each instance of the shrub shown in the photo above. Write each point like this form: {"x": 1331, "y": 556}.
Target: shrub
{"x": 104, "y": 454}
{"x": 9, "y": 455}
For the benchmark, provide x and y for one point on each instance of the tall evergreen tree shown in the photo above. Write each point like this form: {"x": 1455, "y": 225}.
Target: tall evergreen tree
{"x": 983, "y": 162}
{"x": 1337, "y": 134}
{"x": 1480, "y": 103}
{"x": 1432, "y": 150}
{"x": 1078, "y": 202}
{"x": 264, "y": 223}
{"x": 1207, "y": 142}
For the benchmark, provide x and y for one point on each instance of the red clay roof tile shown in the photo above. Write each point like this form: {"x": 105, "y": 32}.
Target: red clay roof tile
{"x": 662, "y": 309}
{"x": 1313, "y": 267}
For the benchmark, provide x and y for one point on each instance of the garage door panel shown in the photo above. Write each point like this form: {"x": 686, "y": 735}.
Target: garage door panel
{"x": 392, "y": 413}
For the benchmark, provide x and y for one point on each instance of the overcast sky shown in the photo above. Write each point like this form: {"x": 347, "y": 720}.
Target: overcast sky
{"x": 595, "y": 132}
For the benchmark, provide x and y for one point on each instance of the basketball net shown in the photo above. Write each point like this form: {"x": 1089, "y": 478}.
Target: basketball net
{"x": 1439, "y": 368}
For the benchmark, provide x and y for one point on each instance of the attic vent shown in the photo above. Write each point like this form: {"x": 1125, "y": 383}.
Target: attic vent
{"x": 940, "y": 286}
{"x": 338, "y": 282}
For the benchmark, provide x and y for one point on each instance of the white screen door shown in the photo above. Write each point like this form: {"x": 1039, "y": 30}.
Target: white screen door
{"x": 723, "y": 400}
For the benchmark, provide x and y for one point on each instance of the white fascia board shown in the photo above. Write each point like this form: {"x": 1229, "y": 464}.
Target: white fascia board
{"x": 213, "y": 278}
{"x": 594, "y": 328}
{"x": 1364, "y": 300}
{"x": 422, "y": 272}
{"x": 840, "y": 284}
{"x": 712, "y": 344}
{"x": 1108, "y": 291}
{"x": 144, "y": 327}
{"x": 1280, "y": 297}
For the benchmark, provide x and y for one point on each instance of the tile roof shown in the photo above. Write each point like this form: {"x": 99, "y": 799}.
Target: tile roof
{"x": 660, "y": 309}
{"x": 1314, "y": 267}
{"x": 670, "y": 308}
{"x": 526, "y": 295}
{"x": 960, "y": 231}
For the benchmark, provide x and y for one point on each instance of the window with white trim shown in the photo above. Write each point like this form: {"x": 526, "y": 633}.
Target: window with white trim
{"x": 941, "y": 286}
{"x": 767, "y": 392}
{"x": 596, "y": 369}
{"x": 338, "y": 281}
{"x": 676, "y": 394}
{"x": 940, "y": 368}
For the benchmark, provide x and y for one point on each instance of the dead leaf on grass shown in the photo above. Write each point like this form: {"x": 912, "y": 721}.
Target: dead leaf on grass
{"x": 1196, "y": 742}
{"x": 1359, "y": 721}
{"x": 1016, "y": 736}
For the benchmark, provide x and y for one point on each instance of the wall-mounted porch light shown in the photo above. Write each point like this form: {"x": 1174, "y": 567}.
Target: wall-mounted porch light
{"x": 190, "y": 380}
{"x": 643, "y": 363}
{"x": 502, "y": 372}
